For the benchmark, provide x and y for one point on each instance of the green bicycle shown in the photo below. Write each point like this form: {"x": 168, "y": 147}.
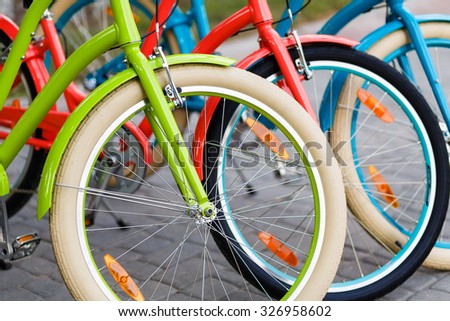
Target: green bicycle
{"x": 98, "y": 168}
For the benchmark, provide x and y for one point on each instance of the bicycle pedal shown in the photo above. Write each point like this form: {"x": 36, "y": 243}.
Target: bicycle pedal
{"x": 25, "y": 245}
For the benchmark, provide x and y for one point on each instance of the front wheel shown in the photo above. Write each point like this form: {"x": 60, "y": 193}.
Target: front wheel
{"x": 165, "y": 250}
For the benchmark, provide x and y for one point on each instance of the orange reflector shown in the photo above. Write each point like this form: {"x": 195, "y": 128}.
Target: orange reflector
{"x": 123, "y": 278}
{"x": 15, "y": 103}
{"x": 375, "y": 106}
{"x": 267, "y": 137}
{"x": 383, "y": 187}
{"x": 88, "y": 222}
{"x": 26, "y": 238}
{"x": 278, "y": 248}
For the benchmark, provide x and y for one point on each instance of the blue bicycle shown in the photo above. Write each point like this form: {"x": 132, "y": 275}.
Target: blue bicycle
{"x": 418, "y": 46}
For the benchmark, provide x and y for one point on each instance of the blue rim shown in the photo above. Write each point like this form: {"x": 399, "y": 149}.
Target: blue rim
{"x": 420, "y": 223}
{"x": 431, "y": 42}
{"x": 228, "y": 209}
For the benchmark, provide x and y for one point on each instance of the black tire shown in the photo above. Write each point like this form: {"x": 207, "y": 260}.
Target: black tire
{"x": 229, "y": 247}
{"x": 413, "y": 259}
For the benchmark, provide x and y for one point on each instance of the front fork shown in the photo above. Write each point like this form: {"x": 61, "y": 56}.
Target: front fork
{"x": 164, "y": 126}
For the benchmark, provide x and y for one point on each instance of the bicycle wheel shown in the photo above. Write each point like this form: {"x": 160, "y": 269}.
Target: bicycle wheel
{"x": 73, "y": 20}
{"x": 165, "y": 246}
{"x": 389, "y": 166}
{"x": 25, "y": 171}
{"x": 397, "y": 44}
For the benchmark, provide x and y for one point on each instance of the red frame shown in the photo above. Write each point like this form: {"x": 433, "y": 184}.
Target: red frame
{"x": 257, "y": 13}
{"x": 34, "y": 59}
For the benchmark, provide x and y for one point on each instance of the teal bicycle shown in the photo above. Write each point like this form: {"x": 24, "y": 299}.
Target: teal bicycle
{"x": 418, "y": 46}
{"x": 166, "y": 248}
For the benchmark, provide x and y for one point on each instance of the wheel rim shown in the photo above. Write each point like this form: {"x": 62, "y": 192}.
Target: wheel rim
{"x": 285, "y": 278}
{"x": 83, "y": 232}
{"x": 438, "y": 48}
{"x": 400, "y": 257}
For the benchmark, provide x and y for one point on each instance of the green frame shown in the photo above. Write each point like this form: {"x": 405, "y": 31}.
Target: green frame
{"x": 122, "y": 34}
{"x": 71, "y": 124}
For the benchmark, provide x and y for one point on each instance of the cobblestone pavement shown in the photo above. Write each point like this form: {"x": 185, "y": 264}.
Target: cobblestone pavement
{"x": 37, "y": 278}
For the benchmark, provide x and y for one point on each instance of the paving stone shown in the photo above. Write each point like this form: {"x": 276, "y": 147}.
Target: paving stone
{"x": 419, "y": 281}
{"x": 442, "y": 284}
{"x": 38, "y": 265}
{"x": 45, "y": 287}
{"x": 20, "y": 294}
{"x": 430, "y": 295}
{"x": 399, "y": 294}
{"x": 12, "y": 278}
